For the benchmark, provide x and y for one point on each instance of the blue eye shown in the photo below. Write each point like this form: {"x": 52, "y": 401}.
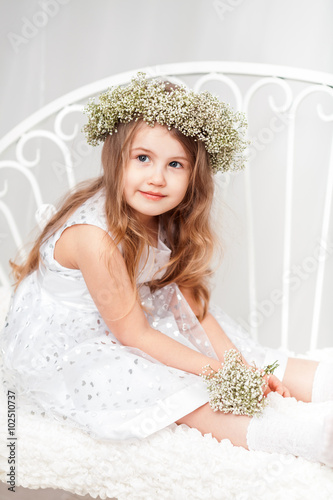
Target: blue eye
{"x": 143, "y": 158}
{"x": 175, "y": 164}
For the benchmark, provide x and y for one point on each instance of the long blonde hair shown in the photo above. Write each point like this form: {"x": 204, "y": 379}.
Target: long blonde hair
{"x": 188, "y": 228}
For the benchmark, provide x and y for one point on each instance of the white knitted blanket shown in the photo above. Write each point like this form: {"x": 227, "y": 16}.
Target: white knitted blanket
{"x": 176, "y": 463}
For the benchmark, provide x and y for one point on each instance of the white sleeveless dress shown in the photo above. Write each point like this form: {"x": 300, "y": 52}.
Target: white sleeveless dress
{"x": 62, "y": 360}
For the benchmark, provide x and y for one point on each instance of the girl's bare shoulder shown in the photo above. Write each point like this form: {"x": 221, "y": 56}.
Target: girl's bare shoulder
{"x": 77, "y": 240}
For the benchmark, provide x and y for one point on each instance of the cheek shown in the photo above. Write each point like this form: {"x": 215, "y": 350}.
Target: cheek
{"x": 127, "y": 191}
{"x": 129, "y": 182}
{"x": 181, "y": 187}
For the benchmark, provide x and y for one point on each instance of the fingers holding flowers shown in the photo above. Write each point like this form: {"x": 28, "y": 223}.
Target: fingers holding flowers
{"x": 275, "y": 385}
{"x": 240, "y": 388}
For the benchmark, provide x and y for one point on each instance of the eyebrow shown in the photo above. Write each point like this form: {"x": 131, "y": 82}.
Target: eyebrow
{"x": 149, "y": 151}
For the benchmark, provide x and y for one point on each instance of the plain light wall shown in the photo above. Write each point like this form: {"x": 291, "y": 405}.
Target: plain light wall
{"x": 50, "y": 47}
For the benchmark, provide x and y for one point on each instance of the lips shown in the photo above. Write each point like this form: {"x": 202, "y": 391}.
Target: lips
{"x": 150, "y": 195}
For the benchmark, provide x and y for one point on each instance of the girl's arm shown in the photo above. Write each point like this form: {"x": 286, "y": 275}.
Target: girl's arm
{"x": 88, "y": 248}
{"x": 221, "y": 342}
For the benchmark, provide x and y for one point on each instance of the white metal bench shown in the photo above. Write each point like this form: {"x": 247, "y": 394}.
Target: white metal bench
{"x": 276, "y": 278}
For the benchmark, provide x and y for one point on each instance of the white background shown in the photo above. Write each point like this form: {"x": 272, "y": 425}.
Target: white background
{"x": 85, "y": 40}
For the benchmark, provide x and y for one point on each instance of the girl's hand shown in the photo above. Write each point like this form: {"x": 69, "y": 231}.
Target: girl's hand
{"x": 275, "y": 385}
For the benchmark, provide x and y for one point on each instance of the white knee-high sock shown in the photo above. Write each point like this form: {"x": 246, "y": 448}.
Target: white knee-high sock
{"x": 322, "y": 389}
{"x": 292, "y": 427}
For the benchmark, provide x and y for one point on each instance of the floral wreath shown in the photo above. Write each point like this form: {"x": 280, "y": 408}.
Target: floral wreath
{"x": 199, "y": 115}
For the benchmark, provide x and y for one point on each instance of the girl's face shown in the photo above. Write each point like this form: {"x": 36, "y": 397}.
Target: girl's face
{"x": 157, "y": 173}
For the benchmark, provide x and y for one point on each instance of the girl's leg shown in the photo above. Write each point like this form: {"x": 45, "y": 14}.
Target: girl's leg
{"x": 285, "y": 426}
{"x": 309, "y": 380}
{"x": 299, "y": 376}
{"x": 220, "y": 425}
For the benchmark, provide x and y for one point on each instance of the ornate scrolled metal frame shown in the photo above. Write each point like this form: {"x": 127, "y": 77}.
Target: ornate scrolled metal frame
{"x": 204, "y": 72}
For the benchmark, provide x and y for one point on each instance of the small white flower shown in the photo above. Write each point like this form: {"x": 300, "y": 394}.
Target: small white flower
{"x": 237, "y": 388}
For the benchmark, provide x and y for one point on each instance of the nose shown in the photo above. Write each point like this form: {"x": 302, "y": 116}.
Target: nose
{"x": 157, "y": 176}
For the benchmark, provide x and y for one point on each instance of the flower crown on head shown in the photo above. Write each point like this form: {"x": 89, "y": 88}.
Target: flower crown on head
{"x": 199, "y": 115}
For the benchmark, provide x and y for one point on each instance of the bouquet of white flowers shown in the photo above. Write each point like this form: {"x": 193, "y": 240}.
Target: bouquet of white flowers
{"x": 236, "y": 387}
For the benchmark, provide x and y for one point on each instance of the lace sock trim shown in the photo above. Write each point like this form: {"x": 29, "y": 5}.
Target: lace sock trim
{"x": 322, "y": 389}
{"x": 288, "y": 426}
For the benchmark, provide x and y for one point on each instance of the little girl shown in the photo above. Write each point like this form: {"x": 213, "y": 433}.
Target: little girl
{"x": 110, "y": 325}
